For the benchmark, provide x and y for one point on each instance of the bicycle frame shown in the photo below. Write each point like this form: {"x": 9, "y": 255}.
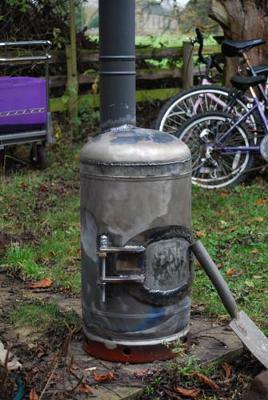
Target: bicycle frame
{"x": 231, "y": 149}
{"x": 218, "y": 101}
{"x": 205, "y": 81}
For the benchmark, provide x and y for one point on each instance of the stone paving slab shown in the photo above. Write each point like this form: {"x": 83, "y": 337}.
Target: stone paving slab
{"x": 213, "y": 342}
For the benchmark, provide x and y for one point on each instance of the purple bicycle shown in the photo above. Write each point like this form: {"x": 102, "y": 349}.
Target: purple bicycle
{"x": 222, "y": 144}
{"x": 207, "y": 96}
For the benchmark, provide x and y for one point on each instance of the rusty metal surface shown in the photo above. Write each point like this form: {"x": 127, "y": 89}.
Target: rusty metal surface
{"x": 129, "y": 354}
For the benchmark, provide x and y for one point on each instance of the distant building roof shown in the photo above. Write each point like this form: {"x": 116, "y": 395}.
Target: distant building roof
{"x": 157, "y": 9}
{"x": 153, "y": 8}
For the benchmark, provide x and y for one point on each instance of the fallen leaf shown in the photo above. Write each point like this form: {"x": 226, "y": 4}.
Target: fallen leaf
{"x": 200, "y": 234}
{"x": 191, "y": 393}
{"x": 109, "y": 376}
{"x": 23, "y": 185}
{"x": 85, "y": 388}
{"x": 43, "y": 188}
{"x": 261, "y": 202}
{"x": 220, "y": 213}
{"x": 258, "y": 219}
{"x": 140, "y": 374}
{"x": 33, "y": 395}
{"x": 224, "y": 194}
{"x": 40, "y": 351}
{"x": 228, "y": 369}
{"x": 231, "y": 272}
{"x": 231, "y": 229}
{"x": 206, "y": 381}
{"x": 44, "y": 283}
{"x": 255, "y": 251}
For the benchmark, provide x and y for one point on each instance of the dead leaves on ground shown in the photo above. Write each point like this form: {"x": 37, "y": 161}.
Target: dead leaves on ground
{"x": 190, "y": 393}
{"x": 228, "y": 370}
{"x": 85, "y": 388}
{"x": 193, "y": 393}
{"x": 107, "y": 377}
{"x": 33, "y": 395}
{"x": 261, "y": 202}
{"x": 43, "y": 284}
{"x": 200, "y": 234}
{"x": 206, "y": 381}
{"x": 231, "y": 272}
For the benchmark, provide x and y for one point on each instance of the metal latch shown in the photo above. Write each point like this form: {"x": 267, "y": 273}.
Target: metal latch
{"x": 103, "y": 251}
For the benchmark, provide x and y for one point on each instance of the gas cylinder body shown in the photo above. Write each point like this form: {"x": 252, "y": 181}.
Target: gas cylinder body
{"x": 135, "y": 238}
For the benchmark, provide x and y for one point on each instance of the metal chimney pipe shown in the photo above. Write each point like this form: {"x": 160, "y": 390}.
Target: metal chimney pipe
{"x": 117, "y": 63}
{"x": 136, "y": 269}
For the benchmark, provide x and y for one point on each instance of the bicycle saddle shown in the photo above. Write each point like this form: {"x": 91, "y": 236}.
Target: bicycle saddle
{"x": 244, "y": 82}
{"x": 261, "y": 69}
{"x": 234, "y": 48}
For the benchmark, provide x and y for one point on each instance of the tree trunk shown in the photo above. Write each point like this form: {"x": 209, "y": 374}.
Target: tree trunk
{"x": 242, "y": 20}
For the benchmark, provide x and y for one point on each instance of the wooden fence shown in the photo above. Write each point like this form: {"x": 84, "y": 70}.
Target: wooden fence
{"x": 145, "y": 73}
{"x": 78, "y": 81}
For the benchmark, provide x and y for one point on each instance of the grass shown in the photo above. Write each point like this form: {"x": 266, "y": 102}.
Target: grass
{"x": 45, "y": 203}
{"x": 165, "y": 39}
{"x": 232, "y": 224}
{"x": 41, "y": 316}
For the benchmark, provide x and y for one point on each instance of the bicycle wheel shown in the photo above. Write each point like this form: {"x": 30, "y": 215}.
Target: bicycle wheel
{"x": 216, "y": 168}
{"x": 199, "y": 99}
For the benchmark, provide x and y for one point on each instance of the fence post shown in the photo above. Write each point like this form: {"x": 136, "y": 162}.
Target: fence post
{"x": 72, "y": 76}
{"x": 187, "y": 65}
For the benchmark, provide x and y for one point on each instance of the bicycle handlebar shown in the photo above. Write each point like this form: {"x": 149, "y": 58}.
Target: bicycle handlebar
{"x": 211, "y": 63}
{"x": 200, "y": 40}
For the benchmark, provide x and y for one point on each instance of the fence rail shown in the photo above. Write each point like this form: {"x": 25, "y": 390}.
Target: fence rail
{"x": 184, "y": 73}
{"x": 87, "y": 63}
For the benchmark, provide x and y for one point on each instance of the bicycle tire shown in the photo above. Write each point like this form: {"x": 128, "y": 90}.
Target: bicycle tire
{"x": 210, "y": 166}
{"x": 180, "y": 107}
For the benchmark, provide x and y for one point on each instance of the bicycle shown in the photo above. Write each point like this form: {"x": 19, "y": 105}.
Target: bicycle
{"x": 206, "y": 96}
{"x": 221, "y": 144}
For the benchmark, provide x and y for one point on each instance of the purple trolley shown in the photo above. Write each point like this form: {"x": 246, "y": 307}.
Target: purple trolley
{"x": 24, "y": 105}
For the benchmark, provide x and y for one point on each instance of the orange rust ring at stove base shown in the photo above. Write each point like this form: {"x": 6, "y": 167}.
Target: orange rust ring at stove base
{"x": 130, "y": 354}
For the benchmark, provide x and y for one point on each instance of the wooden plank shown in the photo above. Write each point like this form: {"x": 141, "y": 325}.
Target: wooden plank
{"x": 187, "y": 66}
{"x": 60, "y": 104}
{"x": 92, "y": 56}
{"x": 72, "y": 74}
{"x": 85, "y": 56}
{"x": 144, "y": 74}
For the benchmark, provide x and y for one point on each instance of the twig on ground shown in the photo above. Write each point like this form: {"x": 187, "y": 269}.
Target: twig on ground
{"x": 56, "y": 363}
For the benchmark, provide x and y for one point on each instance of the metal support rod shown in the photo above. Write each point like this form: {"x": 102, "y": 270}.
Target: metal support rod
{"x": 214, "y": 275}
{"x": 117, "y": 63}
{"x": 103, "y": 276}
{"x": 72, "y": 83}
